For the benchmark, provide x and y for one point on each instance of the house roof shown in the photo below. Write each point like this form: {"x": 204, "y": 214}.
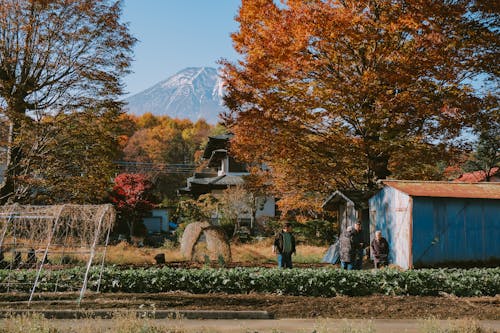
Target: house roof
{"x": 228, "y": 180}
{"x": 348, "y": 196}
{"x": 216, "y": 142}
{"x": 216, "y": 157}
{"x": 335, "y": 198}
{"x": 484, "y": 190}
{"x": 219, "y": 180}
{"x": 477, "y": 176}
{"x": 198, "y": 186}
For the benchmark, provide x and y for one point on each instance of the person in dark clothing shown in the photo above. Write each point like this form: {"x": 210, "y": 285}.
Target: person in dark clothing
{"x": 3, "y": 264}
{"x": 359, "y": 245}
{"x": 31, "y": 259}
{"x": 380, "y": 250}
{"x": 284, "y": 246}
{"x": 347, "y": 254}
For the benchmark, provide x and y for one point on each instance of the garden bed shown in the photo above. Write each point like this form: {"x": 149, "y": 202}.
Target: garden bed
{"x": 377, "y": 306}
{"x": 323, "y": 282}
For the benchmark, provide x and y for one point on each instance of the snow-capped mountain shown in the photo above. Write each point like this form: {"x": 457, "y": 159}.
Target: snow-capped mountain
{"x": 193, "y": 93}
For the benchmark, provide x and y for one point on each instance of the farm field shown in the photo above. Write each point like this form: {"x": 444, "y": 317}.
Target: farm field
{"x": 152, "y": 287}
{"x": 280, "y": 306}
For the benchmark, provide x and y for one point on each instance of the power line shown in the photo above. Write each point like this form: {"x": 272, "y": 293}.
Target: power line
{"x": 133, "y": 166}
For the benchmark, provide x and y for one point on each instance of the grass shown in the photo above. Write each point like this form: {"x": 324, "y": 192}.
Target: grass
{"x": 254, "y": 252}
{"x": 309, "y": 254}
{"x": 455, "y": 326}
{"x": 131, "y": 323}
{"x": 124, "y": 253}
{"x": 120, "y": 323}
{"x": 261, "y": 252}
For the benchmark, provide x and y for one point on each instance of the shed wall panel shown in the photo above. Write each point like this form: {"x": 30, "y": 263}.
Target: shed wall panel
{"x": 390, "y": 213}
{"x": 455, "y": 229}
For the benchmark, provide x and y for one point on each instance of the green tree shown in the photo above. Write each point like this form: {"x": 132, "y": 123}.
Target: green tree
{"x": 486, "y": 156}
{"x": 57, "y": 56}
{"x": 69, "y": 158}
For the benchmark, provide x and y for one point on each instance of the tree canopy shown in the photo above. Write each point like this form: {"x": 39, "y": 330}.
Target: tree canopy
{"x": 486, "y": 156}
{"x": 164, "y": 140}
{"x": 57, "y": 56}
{"x": 133, "y": 197}
{"x": 158, "y": 141}
{"x": 70, "y": 158}
{"x": 339, "y": 93}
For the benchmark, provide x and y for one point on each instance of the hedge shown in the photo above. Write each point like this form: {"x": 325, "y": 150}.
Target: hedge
{"x": 324, "y": 282}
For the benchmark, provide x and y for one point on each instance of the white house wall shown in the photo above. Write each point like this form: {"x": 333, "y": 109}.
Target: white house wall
{"x": 268, "y": 209}
{"x": 390, "y": 212}
{"x": 224, "y": 167}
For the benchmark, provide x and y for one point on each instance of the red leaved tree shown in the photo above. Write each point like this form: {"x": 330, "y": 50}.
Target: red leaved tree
{"x": 132, "y": 195}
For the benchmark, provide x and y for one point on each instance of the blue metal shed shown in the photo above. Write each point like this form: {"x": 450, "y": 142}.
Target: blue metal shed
{"x": 428, "y": 223}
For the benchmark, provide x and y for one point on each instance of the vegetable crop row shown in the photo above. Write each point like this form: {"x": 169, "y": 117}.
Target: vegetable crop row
{"x": 324, "y": 282}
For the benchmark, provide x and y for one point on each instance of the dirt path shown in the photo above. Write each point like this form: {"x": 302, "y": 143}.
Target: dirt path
{"x": 289, "y": 325}
{"x": 387, "y": 307}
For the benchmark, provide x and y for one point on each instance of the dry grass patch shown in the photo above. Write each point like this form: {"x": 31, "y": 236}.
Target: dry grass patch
{"x": 255, "y": 252}
{"x": 126, "y": 254}
{"x": 471, "y": 325}
{"x": 127, "y": 322}
{"x": 262, "y": 252}
{"x": 130, "y": 322}
{"x": 310, "y": 254}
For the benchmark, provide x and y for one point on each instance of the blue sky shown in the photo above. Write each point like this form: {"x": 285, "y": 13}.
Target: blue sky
{"x": 175, "y": 34}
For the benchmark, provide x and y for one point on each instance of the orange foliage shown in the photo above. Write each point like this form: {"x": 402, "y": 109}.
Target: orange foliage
{"x": 161, "y": 139}
{"x": 338, "y": 94}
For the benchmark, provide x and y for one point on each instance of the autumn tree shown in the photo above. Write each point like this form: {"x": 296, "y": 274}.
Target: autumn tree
{"x": 164, "y": 140}
{"x": 68, "y": 158}
{"x": 57, "y": 56}
{"x": 338, "y": 94}
{"x": 160, "y": 141}
{"x": 132, "y": 195}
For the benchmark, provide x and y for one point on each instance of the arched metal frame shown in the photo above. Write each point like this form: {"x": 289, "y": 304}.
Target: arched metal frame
{"x": 51, "y": 226}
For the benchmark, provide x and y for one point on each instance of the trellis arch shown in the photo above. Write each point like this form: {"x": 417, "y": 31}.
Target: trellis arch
{"x": 58, "y": 230}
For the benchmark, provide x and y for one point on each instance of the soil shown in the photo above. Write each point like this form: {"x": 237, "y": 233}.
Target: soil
{"x": 397, "y": 307}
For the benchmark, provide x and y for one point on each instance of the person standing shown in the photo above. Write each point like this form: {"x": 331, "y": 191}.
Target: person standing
{"x": 380, "y": 250}
{"x": 359, "y": 245}
{"x": 284, "y": 246}
{"x": 347, "y": 254}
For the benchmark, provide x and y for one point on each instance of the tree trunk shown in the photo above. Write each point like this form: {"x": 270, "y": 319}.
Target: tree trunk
{"x": 378, "y": 161}
{"x": 13, "y": 165}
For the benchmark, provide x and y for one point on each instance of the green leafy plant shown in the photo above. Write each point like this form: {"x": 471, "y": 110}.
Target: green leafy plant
{"x": 323, "y": 282}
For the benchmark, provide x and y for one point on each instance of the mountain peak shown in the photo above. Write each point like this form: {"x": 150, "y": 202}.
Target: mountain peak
{"x": 193, "y": 93}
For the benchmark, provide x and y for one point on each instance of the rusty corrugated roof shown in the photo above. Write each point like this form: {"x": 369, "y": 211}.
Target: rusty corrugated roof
{"x": 482, "y": 190}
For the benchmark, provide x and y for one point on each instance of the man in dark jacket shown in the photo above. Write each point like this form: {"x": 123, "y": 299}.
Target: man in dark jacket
{"x": 380, "y": 250}
{"x": 284, "y": 246}
{"x": 359, "y": 245}
{"x": 347, "y": 254}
